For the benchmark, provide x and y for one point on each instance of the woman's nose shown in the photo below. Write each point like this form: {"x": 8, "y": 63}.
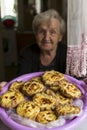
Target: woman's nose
{"x": 46, "y": 35}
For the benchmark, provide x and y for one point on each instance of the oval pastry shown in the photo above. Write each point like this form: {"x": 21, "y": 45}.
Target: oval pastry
{"x": 69, "y": 90}
{"x": 28, "y": 110}
{"x": 67, "y": 109}
{"x": 44, "y": 101}
{"x": 45, "y": 117}
{"x": 61, "y": 100}
{"x": 11, "y": 99}
{"x": 32, "y": 87}
{"x": 16, "y": 85}
{"x": 52, "y": 77}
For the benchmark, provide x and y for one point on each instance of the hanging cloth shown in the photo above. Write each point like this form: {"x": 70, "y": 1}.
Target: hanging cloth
{"x": 77, "y": 38}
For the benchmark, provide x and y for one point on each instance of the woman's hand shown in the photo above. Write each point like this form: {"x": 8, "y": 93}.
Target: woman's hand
{"x": 2, "y": 84}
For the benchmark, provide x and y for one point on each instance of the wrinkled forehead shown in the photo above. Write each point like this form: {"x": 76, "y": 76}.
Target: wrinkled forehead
{"x": 49, "y": 23}
{"x": 48, "y": 20}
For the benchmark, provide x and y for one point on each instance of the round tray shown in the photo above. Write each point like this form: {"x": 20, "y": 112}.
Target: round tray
{"x": 68, "y": 126}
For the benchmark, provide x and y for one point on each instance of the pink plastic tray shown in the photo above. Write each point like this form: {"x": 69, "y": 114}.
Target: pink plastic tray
{"x": 68, "y": 126}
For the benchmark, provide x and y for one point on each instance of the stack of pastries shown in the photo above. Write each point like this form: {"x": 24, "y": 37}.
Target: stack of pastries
{"x": 43, "y": 98}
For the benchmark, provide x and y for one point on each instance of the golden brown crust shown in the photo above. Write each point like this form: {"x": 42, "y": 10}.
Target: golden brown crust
{"x": 45, "y": 117}
{"x": 16, "y": 85}
{"x": 67, "y": 109}
{"x": 56, "y": 86}
{"x": 50, "y": 92}
{"x": 69, "y": 90}
{"x": 44, "y": 101}
{"x": 61, "y": 100}
{"x": 28, "y": 110}
{"x": 11, "y": 99}
{"x": 52, "y": 77}
{"x": 38, "y": 79}
{"x": 32, "y": 87}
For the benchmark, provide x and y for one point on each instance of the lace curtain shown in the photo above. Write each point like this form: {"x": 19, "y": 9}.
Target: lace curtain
{"x": 77, "y": 38}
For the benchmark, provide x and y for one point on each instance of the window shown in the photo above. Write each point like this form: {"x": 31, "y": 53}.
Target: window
{"x": 38, "y": 6}
{"x": 9, "y": 9}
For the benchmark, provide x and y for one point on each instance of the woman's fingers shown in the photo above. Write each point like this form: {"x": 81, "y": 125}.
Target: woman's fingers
{"x": 2, "y": 84}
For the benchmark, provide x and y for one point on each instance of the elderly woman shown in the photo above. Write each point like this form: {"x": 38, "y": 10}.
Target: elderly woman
{"x": 48, "y": 53}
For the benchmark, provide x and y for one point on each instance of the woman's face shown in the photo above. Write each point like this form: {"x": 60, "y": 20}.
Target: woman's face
{"x": 48, "y": 35}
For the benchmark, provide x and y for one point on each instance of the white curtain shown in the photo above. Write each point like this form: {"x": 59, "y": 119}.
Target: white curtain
{"x": 77, "y": 38}
{"x": 7, "y": 8}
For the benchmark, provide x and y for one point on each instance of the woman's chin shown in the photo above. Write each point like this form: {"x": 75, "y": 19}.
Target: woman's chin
{"x": 47, "y": 47}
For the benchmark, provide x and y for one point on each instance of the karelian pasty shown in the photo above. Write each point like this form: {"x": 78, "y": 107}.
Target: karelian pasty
{"x": 63, "y": 110}
{"x": 32, "y": 87}
{"x": 16, "y": 85}
{"x": 45, "y": 117}
{"x": 44, "y": 101}
{"x": 11, "y": 99}
{"x": 69, "y": 90}
{"x": 52, "y": 77}
{"x": 28, "y": 110}
{"x": 61, "y": 100}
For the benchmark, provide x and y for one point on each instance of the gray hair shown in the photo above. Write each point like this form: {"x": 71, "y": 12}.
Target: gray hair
{"x": 48, "y": 15}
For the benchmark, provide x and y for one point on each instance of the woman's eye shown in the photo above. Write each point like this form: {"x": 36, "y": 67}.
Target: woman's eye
{"x": 53, "y": 32}
{"x": 44, "y": 32}
{"x": 41, "y": 31}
